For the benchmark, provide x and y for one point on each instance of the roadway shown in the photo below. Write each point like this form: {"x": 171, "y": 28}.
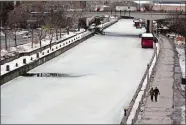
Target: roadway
{"x": 102, "y": 75}
{"x": 143, "y": 15}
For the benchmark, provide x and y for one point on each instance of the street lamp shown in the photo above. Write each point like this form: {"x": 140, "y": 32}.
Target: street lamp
{"x": 180, "y": 6}
{"x": 15, "y": 38}
{"x": 185, "y": 28}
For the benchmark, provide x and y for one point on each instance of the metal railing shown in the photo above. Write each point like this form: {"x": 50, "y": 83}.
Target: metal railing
{"x": 148, "y": 76}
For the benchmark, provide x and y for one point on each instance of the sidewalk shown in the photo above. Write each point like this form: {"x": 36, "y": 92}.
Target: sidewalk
{"x": 160, "y": 112}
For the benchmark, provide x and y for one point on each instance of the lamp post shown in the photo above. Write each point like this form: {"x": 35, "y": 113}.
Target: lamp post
{"x": 180, "y": 6}
{"x": 15, "y": 37}
{"x": 185, "y": 28}
{"x": 0, "y": 30}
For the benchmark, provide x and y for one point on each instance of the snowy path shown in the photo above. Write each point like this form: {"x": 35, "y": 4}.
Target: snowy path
{"x": 108, "y": 69}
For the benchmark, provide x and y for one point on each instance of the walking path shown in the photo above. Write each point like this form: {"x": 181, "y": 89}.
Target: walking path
{"x": 160, "y": 112}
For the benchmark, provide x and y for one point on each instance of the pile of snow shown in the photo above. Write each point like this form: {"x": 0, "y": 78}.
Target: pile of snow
{"x": 24, "y": 48}
{"x": 181, "y": 55}
{"x": 4, "y": 52}
{"x": 180, "y": 43}
{"x": 107, "y": 23}
{"x": 21, "y": 32}
{"x": 172, "y": 35}
{"x": 9, "y": 53}
{"x": 183, "y": 115}
{"x": 112, "y": 17}
{"x": 2, "y": 34}
{"x": 106, "y": 15}
{"x": 13, "y": 49}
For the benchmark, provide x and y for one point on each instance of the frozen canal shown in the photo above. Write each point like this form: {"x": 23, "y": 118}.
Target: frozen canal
{"x": 104, "y": 73}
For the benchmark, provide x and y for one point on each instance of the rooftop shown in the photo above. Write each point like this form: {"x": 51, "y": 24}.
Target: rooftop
{"x": 147, "y": 35}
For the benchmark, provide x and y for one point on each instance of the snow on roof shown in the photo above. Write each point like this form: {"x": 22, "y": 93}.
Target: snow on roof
{"x": 147, "y": 35}
{"x": 136, "y": 20}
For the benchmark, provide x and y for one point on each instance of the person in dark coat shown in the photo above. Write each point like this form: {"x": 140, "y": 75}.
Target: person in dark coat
{"x": 151, "y": 94}
{"x": 156, "y": 93}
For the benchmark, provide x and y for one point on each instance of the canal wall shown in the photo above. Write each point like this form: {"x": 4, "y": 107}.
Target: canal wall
{"x": 18, "y": 55}
{"x": 25, "y": 68}
{"x": 130, "y": 114}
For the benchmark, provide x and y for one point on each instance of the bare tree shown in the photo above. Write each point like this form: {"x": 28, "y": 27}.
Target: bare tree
{"x": 148, "y": 7}
{"x": 6, "y": 46}
{"x": 58, "y": 19}
{"x": 49, "y": 25}
{"x": 41, "y": 30}
{"x": 177, "y": 23}
{"x": 17, "y": 17}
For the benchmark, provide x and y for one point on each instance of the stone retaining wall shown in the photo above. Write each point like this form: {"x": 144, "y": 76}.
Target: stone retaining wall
{"x": 33, "y": 51}
{"x": 22, "y": 70}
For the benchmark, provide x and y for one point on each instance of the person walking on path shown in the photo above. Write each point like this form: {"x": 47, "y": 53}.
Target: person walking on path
{"x": 151, "y": 94}
{"x": 156, "y": 93}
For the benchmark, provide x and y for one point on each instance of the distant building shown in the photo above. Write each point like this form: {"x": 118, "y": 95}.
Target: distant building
{"x": 126, "y": 5}
{"x": 169, "y": 5}
{"x": 167, "y": 2}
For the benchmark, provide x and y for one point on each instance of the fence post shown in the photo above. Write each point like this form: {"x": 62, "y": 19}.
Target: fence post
{"x": 37, "y": 55}
{"x": 24, "y": 61}
{"x": 156, "y": 51}
{"x": 148, "y": 73}
{"x": 129, "y": 13}
{"x": 125, "y": 112}
{"x": 7, "y": 67}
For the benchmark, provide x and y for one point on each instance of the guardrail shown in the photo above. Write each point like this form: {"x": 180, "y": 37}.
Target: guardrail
{"x": 143, "y": 88}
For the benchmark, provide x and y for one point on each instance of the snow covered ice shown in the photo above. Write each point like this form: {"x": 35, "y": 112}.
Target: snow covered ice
{"x": 109, "y": 69}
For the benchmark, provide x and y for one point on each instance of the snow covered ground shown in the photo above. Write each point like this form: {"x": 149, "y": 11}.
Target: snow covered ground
{"x": 28, "y": 46}
{"x": 104, "y": 73}
{"x": 12, "y": 64}
{"x": 181, "y": 55}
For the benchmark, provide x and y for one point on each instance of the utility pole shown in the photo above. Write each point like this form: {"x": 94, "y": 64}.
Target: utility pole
{"x": 0, "y": 30}
{"x": 185, "y": 29}
{"x": 5, "y": 31}
{"x": 180, "y": 6}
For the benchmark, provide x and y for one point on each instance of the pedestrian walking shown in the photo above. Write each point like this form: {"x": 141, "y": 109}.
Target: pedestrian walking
{"x": 151, "y": 94}
{"x": 156, "y": 93}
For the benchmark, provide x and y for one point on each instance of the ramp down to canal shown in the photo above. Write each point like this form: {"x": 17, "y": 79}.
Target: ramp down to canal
{"x": 111, "y": 68}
